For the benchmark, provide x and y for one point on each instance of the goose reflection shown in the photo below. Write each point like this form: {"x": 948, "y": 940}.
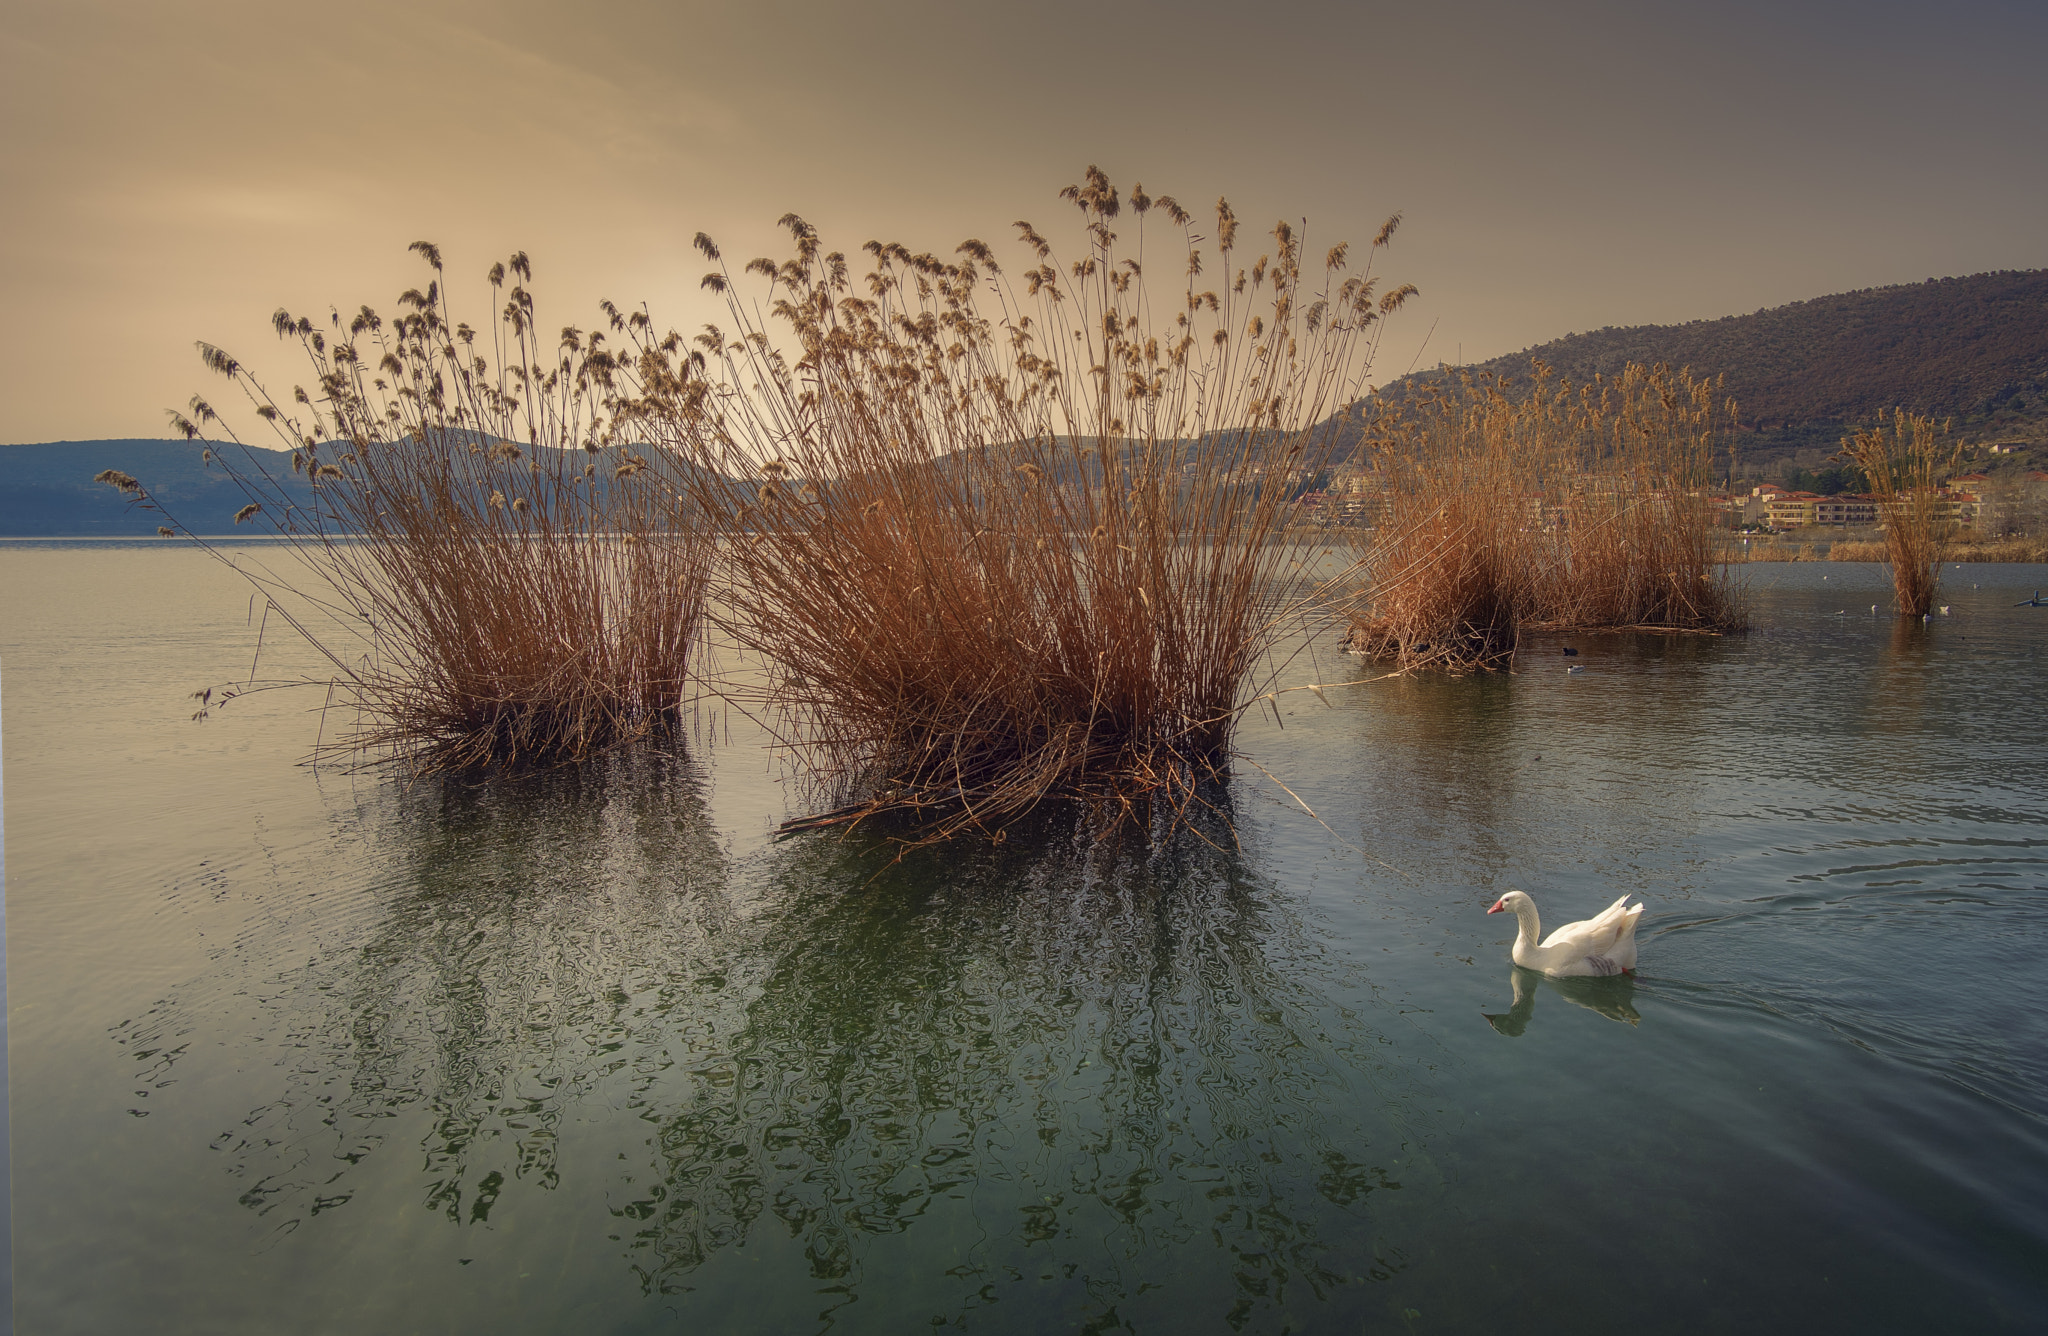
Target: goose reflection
{"x": 1081, "y": 1056}
{"x": 1613, "y": 997}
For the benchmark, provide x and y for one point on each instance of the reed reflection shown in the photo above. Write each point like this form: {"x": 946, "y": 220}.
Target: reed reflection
{"x": 1077, "y": 1056}
{"x": 1612, "y": 997}
{"x": 1459, "y": 773}
{"x": 534, "y": 936}
{"x": 1092, "y": 1059}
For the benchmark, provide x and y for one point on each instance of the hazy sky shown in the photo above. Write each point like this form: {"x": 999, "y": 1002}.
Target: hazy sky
{"x": 176, "y": 171}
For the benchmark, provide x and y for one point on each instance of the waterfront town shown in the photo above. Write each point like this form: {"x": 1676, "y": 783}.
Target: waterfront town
{"x": 1986, "y": 506}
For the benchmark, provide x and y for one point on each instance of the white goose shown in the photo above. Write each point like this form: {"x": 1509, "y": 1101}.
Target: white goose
{"x": 1605, "y": 944}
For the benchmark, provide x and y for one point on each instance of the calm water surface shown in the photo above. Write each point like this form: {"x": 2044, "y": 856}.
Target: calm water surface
{"x": 589, "y": 1051}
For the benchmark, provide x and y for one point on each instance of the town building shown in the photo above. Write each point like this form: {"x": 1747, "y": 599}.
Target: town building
{"x": 1847, "y": 508}
{"x": 1790, "y": 510}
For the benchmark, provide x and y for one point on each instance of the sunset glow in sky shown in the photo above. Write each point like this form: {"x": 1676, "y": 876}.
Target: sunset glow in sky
{"x": 177, "y": 171}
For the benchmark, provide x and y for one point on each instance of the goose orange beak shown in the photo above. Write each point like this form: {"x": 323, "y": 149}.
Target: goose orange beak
{"x": 1499, "y": 905}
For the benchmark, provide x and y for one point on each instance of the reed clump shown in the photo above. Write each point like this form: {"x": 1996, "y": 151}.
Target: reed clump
{"x": 1630, "y": 504}
{"x": 487, "y": 557}
{"x": 1455, "y": 562}
{"x": 1905, "y": 459}
{"x": 1007, "y": 535}
{"x": 1509, "y": 506}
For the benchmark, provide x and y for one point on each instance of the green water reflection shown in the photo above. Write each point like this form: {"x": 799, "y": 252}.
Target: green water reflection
{"x": 1068, "y": 1057}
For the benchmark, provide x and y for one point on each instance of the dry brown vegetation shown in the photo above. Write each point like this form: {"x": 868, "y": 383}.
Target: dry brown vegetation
{"x": 494, "y": 575}
{"x": 1013, "y": 534}
{"x": 2016, "y": 549}
{"x": 1905, "y": 460}
{"x": 998, "y": 536}
{"x": 1996, "y": 549}
{"x": 1767, "y": 550}
{"x": 1507, "y": 507}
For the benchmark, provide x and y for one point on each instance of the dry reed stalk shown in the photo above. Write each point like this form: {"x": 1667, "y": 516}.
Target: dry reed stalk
{"x": 493, "y": 573}
{"x": 1547, "y": 504}
{"x": 1905, "y": 458}
{"x": 1010, "y": 537}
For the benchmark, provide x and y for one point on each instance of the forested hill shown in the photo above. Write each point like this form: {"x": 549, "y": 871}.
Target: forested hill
{"x": 1973, "y": 349}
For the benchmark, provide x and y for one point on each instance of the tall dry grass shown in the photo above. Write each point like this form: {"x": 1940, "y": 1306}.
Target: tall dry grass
{"x": 2014, "y": 549}
{"x": 1011, "y": 534}
{"x": 1905, "y": 459}
{"x": 1636, "y": 520}
{"x": 491, "y": 568}
{"x": 1509, "y": 506}
{"x": 1456, "y": 565}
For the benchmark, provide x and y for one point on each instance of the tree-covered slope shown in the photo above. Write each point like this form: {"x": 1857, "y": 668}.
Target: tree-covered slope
{"x": 1973, "y": 349}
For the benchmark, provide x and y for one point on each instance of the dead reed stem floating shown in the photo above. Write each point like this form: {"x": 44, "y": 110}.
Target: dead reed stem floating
{"x": 1905, "y": 459}
{"x": 492, "y": 569}
{"x": 1012, "y": 534}
{"x": 1508, "y": 506}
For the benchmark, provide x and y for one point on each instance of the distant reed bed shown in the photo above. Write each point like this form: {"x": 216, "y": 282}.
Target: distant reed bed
{"x": 1015, "y": 532}
{"x": 1905, "y": 459}
{"x": 2016, "y": 549}
{"x": 494, "y": 572}
{"x": 1506, "y": 507}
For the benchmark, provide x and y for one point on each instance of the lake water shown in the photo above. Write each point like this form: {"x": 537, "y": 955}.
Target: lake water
{"x": 591, "y": 1052}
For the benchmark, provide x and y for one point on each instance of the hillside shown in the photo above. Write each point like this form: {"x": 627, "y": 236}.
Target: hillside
{"x": 1973, "y": 349}
{"x": 47, "y": 490}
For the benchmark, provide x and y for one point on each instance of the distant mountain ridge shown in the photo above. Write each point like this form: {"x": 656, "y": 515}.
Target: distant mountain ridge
{"x": 47, "y": 491}
{"x": 1973, "y": 349}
